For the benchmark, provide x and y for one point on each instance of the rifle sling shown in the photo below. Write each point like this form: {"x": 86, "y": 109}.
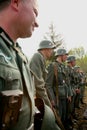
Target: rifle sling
{"x": 56, "y": 76}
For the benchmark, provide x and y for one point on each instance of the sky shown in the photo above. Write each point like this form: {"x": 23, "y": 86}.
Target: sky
{"x": 69, "y": 18}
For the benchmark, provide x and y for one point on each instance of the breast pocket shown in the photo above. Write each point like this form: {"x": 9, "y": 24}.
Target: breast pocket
{"x": 9, "y": 78}
{"x": 62, "y": 91}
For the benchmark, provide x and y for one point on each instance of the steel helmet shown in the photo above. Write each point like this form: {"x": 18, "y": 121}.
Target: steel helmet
{"x": 45, "y": 44}
{"x": 60, "y": 52}
{"x": 71, "y": 58}
{"x": 76, "y": 67}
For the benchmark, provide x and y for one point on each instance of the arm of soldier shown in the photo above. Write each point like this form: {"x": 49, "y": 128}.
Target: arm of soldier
{"x": 77, "y": 88}
{"x": 50, "y": 83}
{"x": 69, "y": 93}
{"x": 2, "y": 83}
{"x": 36, "y": 66}
{"x": 41, "y": 91}
{"x": 78, "y": 84}
{"x": 33, "y": 83}
{"x": 69, "y": 90}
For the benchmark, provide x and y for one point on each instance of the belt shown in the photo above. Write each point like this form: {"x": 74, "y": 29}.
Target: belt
{"x": 31, "y": 127}
{"x": 61, "y": 85}
{"x": 62, "y": 82}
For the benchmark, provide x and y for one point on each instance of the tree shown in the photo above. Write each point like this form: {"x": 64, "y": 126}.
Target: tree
{"x": 53, "y": 36}
{"x": 78, "y": 52}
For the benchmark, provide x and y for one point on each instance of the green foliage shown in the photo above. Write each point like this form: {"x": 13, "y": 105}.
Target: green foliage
{"x": 81, "y": 57}
{"x": 78, "y": 52}
{"x": 82, "y": 62}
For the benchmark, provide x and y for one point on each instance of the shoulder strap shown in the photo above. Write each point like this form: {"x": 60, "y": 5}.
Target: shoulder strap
{"x": 56, "y": 75}
{"x": 56, "y": 113}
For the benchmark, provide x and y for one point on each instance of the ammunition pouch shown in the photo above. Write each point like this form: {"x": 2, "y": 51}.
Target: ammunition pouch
{"x": 10, "y": 104}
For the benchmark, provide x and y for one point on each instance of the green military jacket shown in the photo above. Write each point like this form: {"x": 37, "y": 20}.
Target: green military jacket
{"x": 37, "y": 65}
{"x": 11, "y": 79}
{"x": 57, "y": 82}
{"x": 71, "y": 78}
{"x": 78, "y": 79}
{"x": 75, "y": 79}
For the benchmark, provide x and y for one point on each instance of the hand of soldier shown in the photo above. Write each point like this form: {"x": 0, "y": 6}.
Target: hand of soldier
{"x": 77, "y": 90}
{"x": 69, "y": 99}
{"x": 53, "y": 103}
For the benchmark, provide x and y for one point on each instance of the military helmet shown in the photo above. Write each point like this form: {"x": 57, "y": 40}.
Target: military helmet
{"x": 61, "y": 52}
{"x": 71, "y": 58}
{"x": 45, "y": 44}
{"x": 48, "y": 118}
{"x": 76, "y": 67}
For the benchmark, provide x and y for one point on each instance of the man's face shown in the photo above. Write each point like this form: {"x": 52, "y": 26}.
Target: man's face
{"x": 27, "y": 17}
{"x": 49, "y": 53}
{"x": 73, "y": 63}
{"x": 64, "y": 57}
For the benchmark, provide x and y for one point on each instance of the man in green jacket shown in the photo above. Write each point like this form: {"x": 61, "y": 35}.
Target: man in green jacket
{"x": 57, "y": 84}
{"x": 17, "y": 20}
{"x": 38, "y": 66}
{"x": 74, "y": 81}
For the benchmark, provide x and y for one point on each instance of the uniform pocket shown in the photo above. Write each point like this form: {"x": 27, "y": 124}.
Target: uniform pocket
{"x": 9, "y": 78}
{"x": 61, "y": 91}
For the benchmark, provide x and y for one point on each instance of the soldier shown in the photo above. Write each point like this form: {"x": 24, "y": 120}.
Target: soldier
{"x": 38, "y": 66}
{"x": 71, "y": 63}
{"x": 56, "y": 84}
{"x": 17, "y": 20}
{"x": 83, "y": 84}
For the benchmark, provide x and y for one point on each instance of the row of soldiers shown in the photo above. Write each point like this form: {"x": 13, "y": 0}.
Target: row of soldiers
{"x": 65, "y": 84}
{"x": 20, "y": 96}
{"x": 58, "y": 87}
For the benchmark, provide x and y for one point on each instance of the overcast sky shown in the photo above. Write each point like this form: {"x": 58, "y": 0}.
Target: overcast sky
{"x": 69, "y": 18}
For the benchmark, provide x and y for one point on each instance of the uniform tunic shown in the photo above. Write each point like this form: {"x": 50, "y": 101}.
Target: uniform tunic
{"x": 11, "y": 79}
{"x": 37, "y": 65}
{"x": 58, "y": 83}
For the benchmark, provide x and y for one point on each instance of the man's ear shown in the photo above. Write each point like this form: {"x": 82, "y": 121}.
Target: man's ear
{"x": 14, "y": 4}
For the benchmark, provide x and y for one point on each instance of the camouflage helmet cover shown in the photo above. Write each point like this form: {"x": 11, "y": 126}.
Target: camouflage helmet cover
{"x": 60, "y": 52}
{"x": 46, "y": 44}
